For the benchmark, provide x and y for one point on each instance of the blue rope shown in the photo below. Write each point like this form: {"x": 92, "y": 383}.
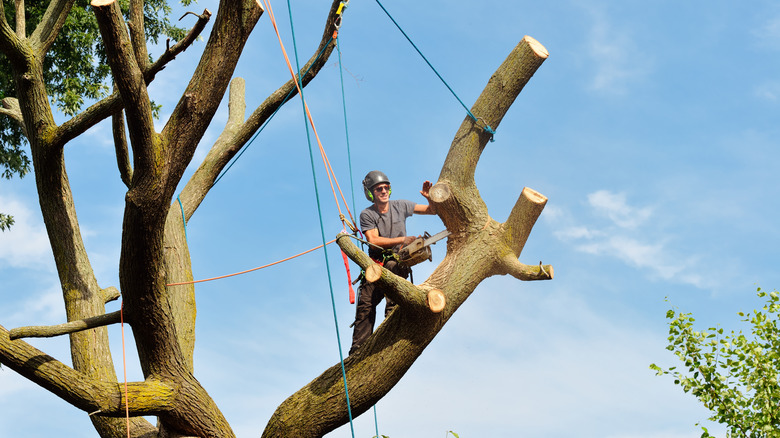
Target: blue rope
{"x": 183, "y": 219}
{"x": 376, "y": 423}
{"x": 487, "y": 127}
{"x": 322, "y": 226}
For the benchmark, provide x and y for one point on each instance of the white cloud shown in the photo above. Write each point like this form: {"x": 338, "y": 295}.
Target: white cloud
{"x": 630, "y": 237}
{"x": 769, "y": 91}
{"x": 768, "y": 33}
{"x": 613, "y": 53}
{"x": 614, "y": 206}
{"x": 26, "y": 244}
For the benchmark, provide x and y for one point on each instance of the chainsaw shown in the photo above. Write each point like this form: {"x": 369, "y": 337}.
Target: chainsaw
{"x": 420, "y": 249}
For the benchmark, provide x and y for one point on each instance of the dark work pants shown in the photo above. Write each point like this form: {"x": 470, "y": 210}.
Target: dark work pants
{"x": 369, "y": 296}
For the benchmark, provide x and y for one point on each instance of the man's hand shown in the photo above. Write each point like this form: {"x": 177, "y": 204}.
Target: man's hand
{"x": 408, "y": 240}
{"x": 425, "y": 189}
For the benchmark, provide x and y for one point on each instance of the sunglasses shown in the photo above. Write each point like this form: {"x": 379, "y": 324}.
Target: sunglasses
{"x": 382, "y": 188}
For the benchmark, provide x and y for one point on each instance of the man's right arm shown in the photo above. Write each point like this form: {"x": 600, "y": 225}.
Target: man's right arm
{"x": 374, "y": 238}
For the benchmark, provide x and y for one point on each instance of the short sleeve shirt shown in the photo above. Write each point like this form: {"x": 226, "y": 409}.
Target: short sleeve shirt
{"x": 390, "y": 224}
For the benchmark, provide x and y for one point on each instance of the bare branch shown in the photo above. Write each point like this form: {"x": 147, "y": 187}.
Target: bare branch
{"x": 137, "y": 33}
{"x": 110, "y": 104}
{"x": 50, "y": 331}
{"x": 499, "y": 94}
{"x": 171, "y": 52}
{"x": 524, "y": 272}
{"x": 232, "y": 140}
{"x": 128, "y": 78}
{"x": 21, "y": 32}
{"x": 120, "y": 144}
{"x": 151, "y": 397}
{"x": 47, "y": 30}
{"x": 10, "y": 107}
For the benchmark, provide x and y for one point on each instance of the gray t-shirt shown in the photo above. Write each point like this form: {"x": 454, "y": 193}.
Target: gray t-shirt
{"x": 389, "y": 224}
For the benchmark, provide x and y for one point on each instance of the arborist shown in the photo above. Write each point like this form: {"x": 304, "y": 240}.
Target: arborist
{"x": 384, "y": 226}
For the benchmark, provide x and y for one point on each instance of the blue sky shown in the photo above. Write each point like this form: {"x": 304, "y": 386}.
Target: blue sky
{"x": 651, "y": 128}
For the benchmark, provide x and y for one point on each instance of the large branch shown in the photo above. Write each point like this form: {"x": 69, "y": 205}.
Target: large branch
{"x": 111, "y": 104}
{"x": 237, "y": 133}
{"x": 129, "y": 80}
{"x": 137, "y": 33}
{"x": 21, "y": 22}
{"x": 49, "y": 27}
{"x": 90, "y": 395}
{"x": 188, "y": 122}
{"x": 10, "y": 43}
{"x": 499, "y": 94}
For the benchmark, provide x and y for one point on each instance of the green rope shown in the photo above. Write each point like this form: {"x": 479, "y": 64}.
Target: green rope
{"x": 322, "y": 226}
{"x": 487, "y": 127}
{"x": 346, "y": 128}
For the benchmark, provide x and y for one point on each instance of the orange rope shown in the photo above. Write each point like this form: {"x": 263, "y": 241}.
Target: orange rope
{"x": 250, "y": 270}
{"x": 328, "y": 168}
{"x": 124, "y": 366}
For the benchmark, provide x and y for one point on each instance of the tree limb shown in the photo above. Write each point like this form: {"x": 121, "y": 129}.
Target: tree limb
{"x": 524, "y": 272}
{"x": 137, "y": 33}
{"x": 171, "y": 52}
{"x": 401, "y": 291}
{"x": 151, "y": 397}
{"x": 129, "y": 81}
{"x": 502, "y": 89}
{"x": 50, "y": 331}
{"x": 235, "y": 137}
{"x": 523, "y": 217}
{"x": 113, "y": 103}
{"x": 10, "y": 107}
{"x": 19, "y": 16}
{"x": 110, "y": 294}
{"x": 10, "y": 43}
{"x": 120, "y": 145}
{"x": 47, "y": 30}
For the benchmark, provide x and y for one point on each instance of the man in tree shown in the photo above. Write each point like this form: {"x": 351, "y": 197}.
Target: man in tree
{"x": 384, "y": 225}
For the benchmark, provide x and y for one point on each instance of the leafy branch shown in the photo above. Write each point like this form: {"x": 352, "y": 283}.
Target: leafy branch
{"x": 733, "y": 375}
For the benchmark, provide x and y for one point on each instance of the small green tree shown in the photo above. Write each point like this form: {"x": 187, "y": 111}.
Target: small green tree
{"x": 733, "y": 375}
